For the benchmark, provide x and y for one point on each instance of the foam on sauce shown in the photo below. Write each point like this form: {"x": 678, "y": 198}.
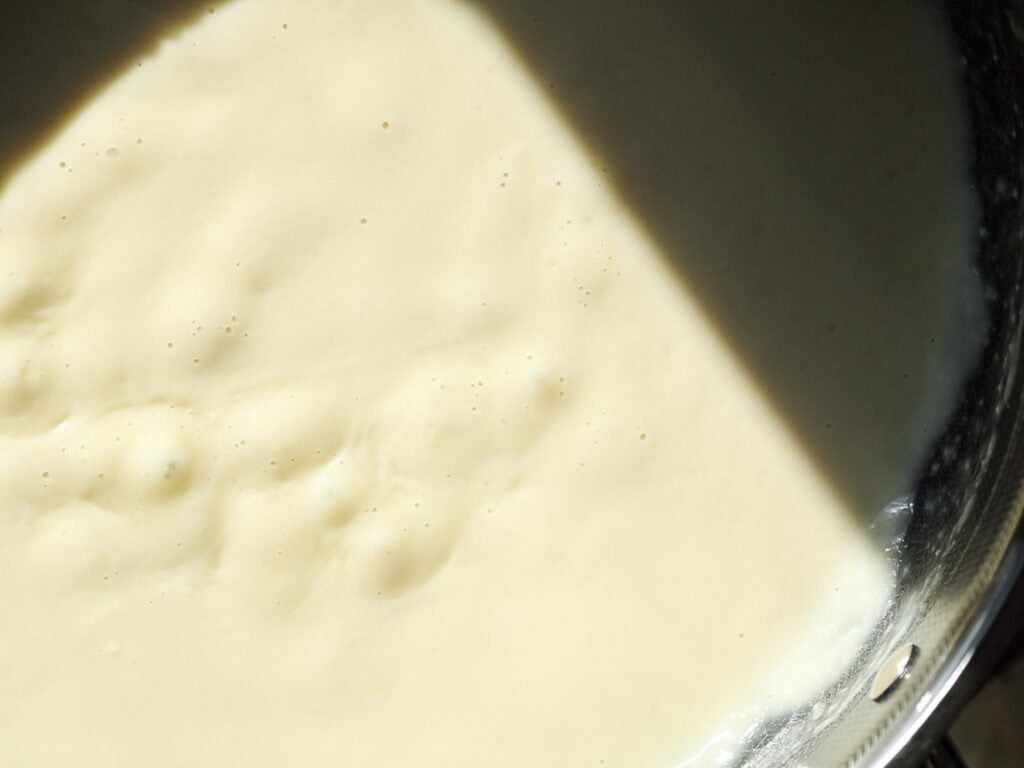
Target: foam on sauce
{"x": 350, "y": 418}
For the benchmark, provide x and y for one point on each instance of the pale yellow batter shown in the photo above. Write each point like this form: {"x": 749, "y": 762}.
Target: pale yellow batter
{"x": 348, "y": 418}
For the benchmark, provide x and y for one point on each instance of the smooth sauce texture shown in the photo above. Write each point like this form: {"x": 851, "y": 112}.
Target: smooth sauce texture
{"x": 351, "y": 419}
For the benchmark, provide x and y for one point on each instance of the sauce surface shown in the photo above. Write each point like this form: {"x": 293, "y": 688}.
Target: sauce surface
{"x": 350, "y": 417}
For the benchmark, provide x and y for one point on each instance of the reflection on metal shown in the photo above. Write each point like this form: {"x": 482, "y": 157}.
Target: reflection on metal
{"x": 893, "y": 672}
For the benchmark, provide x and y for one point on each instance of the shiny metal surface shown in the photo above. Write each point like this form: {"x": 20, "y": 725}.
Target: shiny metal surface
{"x": 894, "y": 671}
{"x": 963, "y": 555}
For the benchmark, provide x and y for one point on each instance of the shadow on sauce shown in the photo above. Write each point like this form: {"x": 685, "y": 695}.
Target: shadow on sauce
{"x": 802, "y": 166}
{"x": 55, "y": 55}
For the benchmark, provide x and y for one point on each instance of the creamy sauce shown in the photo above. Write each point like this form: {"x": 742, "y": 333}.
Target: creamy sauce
{"x": 350, "y": 418}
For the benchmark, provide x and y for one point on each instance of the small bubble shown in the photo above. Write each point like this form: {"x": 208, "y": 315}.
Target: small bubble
{"x": 170, "y": 345}
{"x": 385, "y": 125}
{"x": 112, "y": 152}
{"x": 46, "y": 474}
{"x": 363, "y": 220}
{"x": 643, "y": 435}
{"x": 284, "y": 26}
{"x": 138, "y": 141}
{"x": 62, "y": 164}
{"x": 228, "y": 329}
{"x": 195, "y": 361}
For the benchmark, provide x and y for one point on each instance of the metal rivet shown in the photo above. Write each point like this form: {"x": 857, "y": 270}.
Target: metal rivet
{"x": 895, "y": 670}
